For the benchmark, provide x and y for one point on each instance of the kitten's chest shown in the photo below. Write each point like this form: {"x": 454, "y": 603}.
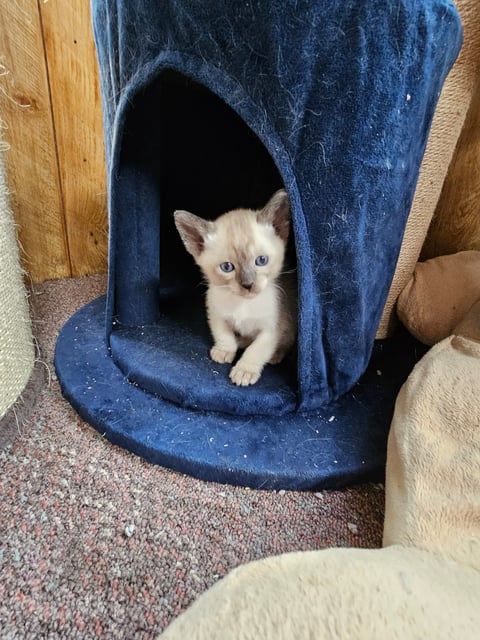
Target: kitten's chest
{"x": 245, "y": 316}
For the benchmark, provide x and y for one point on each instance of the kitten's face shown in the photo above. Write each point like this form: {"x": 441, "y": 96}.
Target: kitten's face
{"x": 243, "y": 250}
{"x": 241, "y": 253}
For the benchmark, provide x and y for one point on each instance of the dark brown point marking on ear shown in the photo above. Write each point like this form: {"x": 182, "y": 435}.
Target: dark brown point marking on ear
{"x": 277, "y": 213}
{"x": 192, "y": 230}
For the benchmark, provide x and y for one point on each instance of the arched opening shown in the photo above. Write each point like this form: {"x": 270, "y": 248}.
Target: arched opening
{"x": 183, "y": 148}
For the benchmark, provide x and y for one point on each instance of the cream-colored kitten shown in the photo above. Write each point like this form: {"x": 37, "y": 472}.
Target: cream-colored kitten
{"x": 241, "y": 255}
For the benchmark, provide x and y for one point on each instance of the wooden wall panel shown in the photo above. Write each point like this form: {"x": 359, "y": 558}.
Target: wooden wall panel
{"x": 31, "y": 161}
{"x": 76, "y": 104}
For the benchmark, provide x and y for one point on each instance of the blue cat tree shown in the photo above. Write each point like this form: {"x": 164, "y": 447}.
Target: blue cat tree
{"x": 214, "y": 105}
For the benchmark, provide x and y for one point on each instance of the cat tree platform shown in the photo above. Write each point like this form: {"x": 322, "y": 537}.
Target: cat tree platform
{"x": 215, "y": 107}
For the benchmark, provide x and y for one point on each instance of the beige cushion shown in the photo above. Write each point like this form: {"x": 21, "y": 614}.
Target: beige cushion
{"x": 357, "y": 594}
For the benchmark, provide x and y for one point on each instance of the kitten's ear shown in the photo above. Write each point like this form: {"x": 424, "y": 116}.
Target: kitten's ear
{"x": 277, "y": 213}
{"x": 193, "y": 231}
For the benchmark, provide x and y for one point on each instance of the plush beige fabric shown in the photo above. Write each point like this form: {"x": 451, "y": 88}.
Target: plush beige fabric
{"x": 394, "y": 593}
{"x": 433, "y": 480}
{"x": 447, "y": 124}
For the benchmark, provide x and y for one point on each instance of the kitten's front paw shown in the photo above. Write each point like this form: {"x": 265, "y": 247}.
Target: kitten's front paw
{"x": 217, "y": 354}
{"x": 244, "y": 375}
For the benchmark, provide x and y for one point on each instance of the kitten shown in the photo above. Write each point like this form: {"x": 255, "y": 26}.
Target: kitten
{"x": 241, "y": 255}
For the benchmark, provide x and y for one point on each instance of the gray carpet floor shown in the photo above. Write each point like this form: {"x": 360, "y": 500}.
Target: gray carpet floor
{"x": 97, "y": 543}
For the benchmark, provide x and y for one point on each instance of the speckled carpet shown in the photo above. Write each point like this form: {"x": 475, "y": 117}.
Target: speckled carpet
{"x": 97, "y": 543}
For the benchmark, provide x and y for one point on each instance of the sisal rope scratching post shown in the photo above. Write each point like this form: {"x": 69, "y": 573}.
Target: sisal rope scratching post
{"x": 447, "y": 124}
{"x": 17, "y": 352}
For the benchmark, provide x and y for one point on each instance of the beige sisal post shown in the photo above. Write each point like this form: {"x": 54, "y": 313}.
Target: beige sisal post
{"x": 17, "y": 353}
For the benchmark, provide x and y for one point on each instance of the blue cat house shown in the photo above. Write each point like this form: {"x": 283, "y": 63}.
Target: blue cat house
{"x": 212, "y": 106}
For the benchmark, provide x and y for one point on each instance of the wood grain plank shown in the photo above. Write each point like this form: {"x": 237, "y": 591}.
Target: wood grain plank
{"x": 456, "y": 223}
{"x": 31, "y": 162}
{"x": 77, "y": 113}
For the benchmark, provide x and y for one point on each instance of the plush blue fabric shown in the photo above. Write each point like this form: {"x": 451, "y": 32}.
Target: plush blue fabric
{"x": 214, "y": 105}
{"x": 339, "y": 95}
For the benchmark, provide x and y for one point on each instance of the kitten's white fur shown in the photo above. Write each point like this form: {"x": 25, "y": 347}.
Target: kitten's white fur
{"x": 246, "y": 308}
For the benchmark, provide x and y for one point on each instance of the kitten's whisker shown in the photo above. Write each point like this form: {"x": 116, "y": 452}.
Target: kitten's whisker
{"x": 280, "y": 288}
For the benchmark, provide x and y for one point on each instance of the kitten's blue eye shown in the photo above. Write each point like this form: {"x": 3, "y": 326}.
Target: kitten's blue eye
{"x": 227, "y": 267}
{"x": 261, "y": 261}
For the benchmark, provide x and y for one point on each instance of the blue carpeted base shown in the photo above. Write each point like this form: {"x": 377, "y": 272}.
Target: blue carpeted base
{"x": 345, "y": 443}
